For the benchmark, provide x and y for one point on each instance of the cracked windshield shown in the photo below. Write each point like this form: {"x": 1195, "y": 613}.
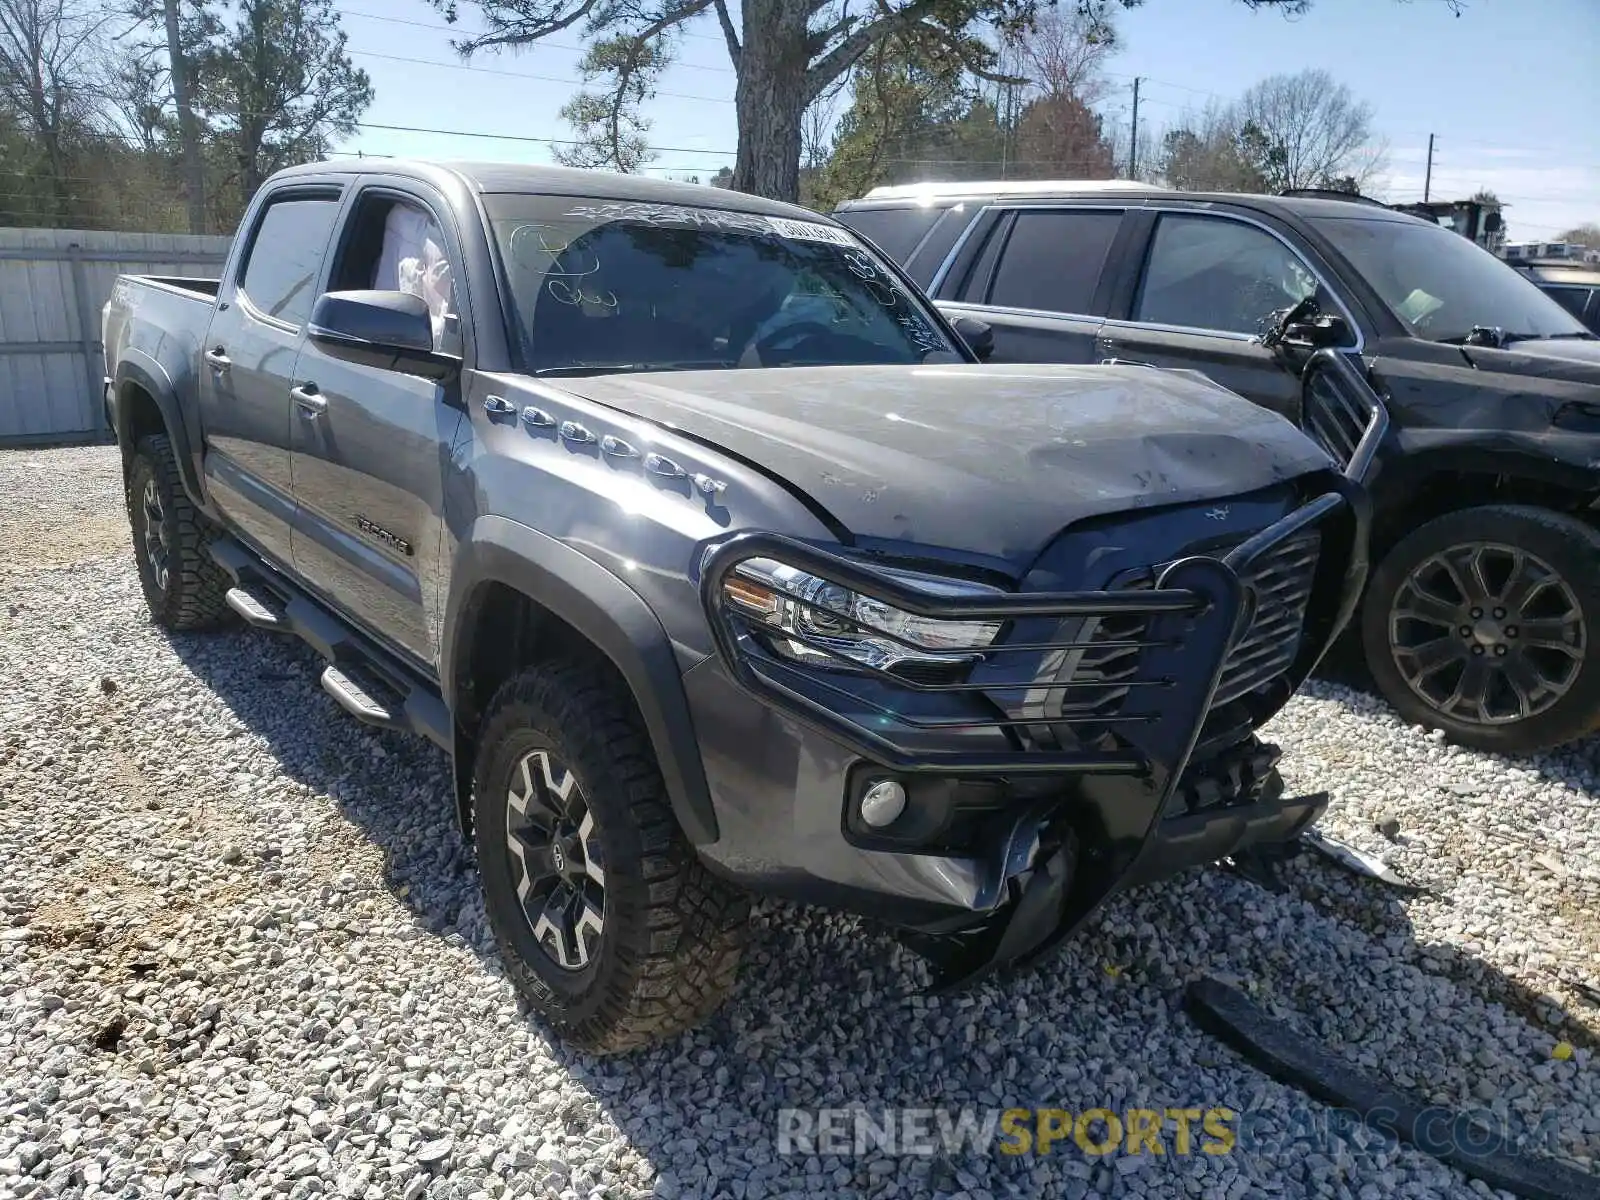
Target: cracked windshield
{"x": 647, "y": 287}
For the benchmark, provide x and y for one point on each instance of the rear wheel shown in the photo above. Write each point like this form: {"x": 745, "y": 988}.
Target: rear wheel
{"x": 609, "y": 926}
{"x": 183, "y": 585}
{"x": 1485, "y": 623}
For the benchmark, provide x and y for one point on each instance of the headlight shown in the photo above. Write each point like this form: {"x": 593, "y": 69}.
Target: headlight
{"x": 849, "y": 624}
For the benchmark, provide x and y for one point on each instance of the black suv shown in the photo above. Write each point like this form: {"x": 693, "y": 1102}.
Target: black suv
{"x": 1482, "y": 616}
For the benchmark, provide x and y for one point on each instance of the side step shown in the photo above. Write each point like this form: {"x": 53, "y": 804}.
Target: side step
{"x": 365, "y": 680}
{"x": 253, "y": 609}
{"x": 357, "y": 700}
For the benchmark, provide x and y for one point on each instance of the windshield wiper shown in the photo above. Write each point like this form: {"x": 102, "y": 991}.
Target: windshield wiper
{"x": 1499, "y": 339}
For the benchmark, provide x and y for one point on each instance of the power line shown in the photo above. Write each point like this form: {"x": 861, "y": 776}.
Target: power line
{"x": 521, "y": 137}
{"x": 554, "y": 45}
{"x": 448, "y": 28}
{"x": 428, "y": 62}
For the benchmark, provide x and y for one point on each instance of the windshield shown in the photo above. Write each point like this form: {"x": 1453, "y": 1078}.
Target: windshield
{"x": 1440, "y": 285}
{"x": 603, "y": 286}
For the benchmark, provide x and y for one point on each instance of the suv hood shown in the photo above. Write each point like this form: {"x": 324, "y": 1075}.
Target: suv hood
{"x": 1514, "y": 358}
{"x": 991, "y": 460}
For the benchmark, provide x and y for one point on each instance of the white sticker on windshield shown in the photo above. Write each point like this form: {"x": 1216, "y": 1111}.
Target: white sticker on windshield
{"x": 810, "y": 231}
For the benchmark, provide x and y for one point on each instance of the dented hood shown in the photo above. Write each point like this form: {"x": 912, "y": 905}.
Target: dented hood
{"x": 990, "y": 459}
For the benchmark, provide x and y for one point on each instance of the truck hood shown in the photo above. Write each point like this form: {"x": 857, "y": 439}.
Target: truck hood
{"x": 991, "y": 460}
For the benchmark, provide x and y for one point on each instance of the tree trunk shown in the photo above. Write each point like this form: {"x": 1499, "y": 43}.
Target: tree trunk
{"x": 771, "y": 99}
{"x": 188, "y": 130}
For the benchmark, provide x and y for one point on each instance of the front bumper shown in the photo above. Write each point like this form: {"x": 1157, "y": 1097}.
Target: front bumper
{"x": 1064, "y": 823}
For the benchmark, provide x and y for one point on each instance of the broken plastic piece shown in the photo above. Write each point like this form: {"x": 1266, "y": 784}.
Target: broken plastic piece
{"x": 1450, "y": 1137}
{"x": 1357, "y": 861}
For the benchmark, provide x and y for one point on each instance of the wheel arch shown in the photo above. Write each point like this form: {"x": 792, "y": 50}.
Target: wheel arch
{"x": 148, "y": 404}
{"x": 1429, "y": 486}
{"x": 518, "y": 595}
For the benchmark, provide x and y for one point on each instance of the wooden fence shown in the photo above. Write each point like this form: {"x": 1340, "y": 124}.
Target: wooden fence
{"x": 53, "y": 284}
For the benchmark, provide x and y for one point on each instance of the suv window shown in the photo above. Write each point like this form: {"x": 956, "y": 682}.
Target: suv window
{"x": 280, "y": 278}
{"x": 895, "y": 231}
{"x": 1573, "y": 299}
{"x": 1217, "y": 273}
{"x": 1052, "y": 260}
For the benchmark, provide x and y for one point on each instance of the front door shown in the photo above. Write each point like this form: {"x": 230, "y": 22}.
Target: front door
{"x": 247, "y": 367}
{"x": 1207, "y": 284}
{"x": 370, "y": 444}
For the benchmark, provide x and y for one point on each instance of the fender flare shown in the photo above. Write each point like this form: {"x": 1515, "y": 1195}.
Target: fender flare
{"x": 613, "y": 617}
{"x": 138, "y": 369}
{"x": 1400, "y": 476}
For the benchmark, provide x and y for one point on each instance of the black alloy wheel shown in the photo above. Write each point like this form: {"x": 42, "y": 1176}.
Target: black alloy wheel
{"x": 1483, "y": 623}
{"x": 556, "y": 860}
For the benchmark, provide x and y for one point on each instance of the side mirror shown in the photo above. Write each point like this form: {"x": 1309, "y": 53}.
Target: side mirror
{"x": 1322, "y": 330}
{"x": 977, "y": 334}
{"x": 388, "y": 330}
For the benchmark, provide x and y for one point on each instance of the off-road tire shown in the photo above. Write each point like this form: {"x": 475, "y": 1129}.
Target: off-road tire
{"x": 673, "y": 934}
{"x": 1570, "y": 547}
{"x": 196, "y": 585}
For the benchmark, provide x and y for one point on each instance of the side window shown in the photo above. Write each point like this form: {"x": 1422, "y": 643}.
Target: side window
{"x": 895, "y": 231}
{"x": 1215, "y": 273}
{"x": 1053, "y": 259}
{"x": 280, "y": 279}
{"x": 394, "y": 246}
{"x": 1572, "y": 299}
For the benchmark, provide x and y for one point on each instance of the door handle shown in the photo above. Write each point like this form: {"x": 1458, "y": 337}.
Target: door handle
{"x": 218, "y": 358}
{"x": 311, "y": 402}
{"x": 498, "y": 406}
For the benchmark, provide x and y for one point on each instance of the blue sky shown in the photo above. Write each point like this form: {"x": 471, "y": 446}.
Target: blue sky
{"x": 1511, "y": 89}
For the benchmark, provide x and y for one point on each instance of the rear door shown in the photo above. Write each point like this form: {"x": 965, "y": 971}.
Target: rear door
{"x": 1039, "y": 280}
{"x": 370, "y": 444}
{"x": 247, "y": 363}
{"x": 1204, "y": 284}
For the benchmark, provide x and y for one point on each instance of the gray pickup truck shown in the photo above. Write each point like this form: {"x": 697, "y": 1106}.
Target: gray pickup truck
{"x": 718, "y": 563}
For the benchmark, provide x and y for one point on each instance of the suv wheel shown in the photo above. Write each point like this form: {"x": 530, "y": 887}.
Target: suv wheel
{"x": 610, "y": 927}
{"x": 1485, "y": 623}
{"x": 183, "y": 585}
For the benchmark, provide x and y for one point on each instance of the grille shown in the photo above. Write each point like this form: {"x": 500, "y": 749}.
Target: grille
{"x": 1281, "y": 581}
{"x": 1333, "y": 419}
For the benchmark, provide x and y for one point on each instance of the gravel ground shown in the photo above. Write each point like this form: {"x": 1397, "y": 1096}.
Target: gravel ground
{"x": 242, "y": 954}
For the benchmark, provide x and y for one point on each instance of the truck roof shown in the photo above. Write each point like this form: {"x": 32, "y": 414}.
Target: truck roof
{"x": 901, "y": 195}
{"x": 490, "y": 178}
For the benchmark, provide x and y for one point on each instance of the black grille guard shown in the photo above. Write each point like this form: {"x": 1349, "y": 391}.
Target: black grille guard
{"x": 1195, "y": 612}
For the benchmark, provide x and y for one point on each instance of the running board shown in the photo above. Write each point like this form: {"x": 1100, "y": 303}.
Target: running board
{"x": 255, "y": 610}
{"x": 368, "y": 682}
{"x": 357, "y": 700}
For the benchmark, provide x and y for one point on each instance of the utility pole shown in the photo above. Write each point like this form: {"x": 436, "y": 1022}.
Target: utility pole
{"x": 188, "y": 131}
{"x": 1427, "y": 179}
{"x": 1133, "y": 138}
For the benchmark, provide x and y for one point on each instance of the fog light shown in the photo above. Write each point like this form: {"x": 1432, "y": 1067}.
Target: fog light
{"x": 883, "y": 803}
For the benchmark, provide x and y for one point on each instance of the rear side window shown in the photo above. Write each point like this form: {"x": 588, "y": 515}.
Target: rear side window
{"x": 1573, "y": 299}
{"x": 1053, "y": 259}
{"x": 280, "y": 279}
{"x": 895, "y": 231}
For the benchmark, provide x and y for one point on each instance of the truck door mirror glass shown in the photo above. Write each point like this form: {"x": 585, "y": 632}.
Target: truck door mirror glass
{"x": 977, "y": 334}
{"x": 389, "y": 330}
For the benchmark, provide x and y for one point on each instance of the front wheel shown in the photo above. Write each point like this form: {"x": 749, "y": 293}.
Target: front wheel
{"x": 608, "y": 925}
{"x": 1485, "y": 623}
